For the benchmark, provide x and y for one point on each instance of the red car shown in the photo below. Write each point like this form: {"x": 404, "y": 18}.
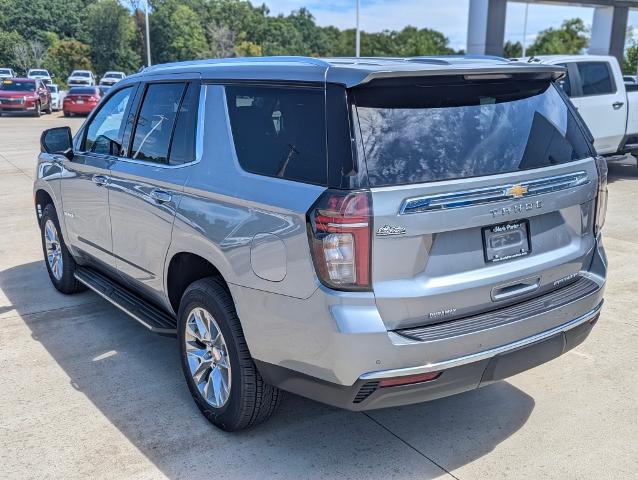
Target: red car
{"x": 24, "y": 95}
{"x": 81, "y": 100}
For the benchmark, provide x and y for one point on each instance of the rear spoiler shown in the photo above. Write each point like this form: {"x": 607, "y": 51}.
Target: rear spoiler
{"x": 353, "y": 77}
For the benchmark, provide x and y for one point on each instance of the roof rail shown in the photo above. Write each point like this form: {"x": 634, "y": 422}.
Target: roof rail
{"x": 317, "y": 62}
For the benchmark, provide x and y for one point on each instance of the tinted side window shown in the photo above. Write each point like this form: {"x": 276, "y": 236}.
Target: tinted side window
{"x": 155, "y": 121}
{"x": 104, "y": 133}
{"x": 183, "y": 143}
{"x": 596, "y": 78}
{"x": 279, "y": 132}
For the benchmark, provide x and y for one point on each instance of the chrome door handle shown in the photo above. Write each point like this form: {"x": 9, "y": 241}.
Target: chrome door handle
{"x": 160, "y": 196}
{"x": 100, "y": 180}
{"x": 617, "y": 105}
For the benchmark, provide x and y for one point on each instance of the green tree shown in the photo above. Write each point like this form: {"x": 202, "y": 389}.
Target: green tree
{"x": 110, "y": 31}
{"x": 512, "y": 49}
{"x": 67, "y": 55}
{"x": 631, "y": 60}
{"x": 33, "y": 18}
{"x": 7, "y": 42}
{"x": 177, "y": 33}
{"x": 571, "y": 38}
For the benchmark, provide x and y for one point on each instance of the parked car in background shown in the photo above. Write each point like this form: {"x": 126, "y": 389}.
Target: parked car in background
{"x": 24, "y": 95}
{"x": 366, "y": 234}
{"x": 596, "y": 87}
{"x": 7, "y": 73}
{"x": 111, "y": 78}
{"x": 81, "y": 100}
{"x": 40, "y": 74}
{"x": 56, "y": 100}
{"x": 81, "y": 78}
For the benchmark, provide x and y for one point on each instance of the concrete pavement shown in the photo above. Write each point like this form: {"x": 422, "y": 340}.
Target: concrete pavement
{"x": 87, "y": 392}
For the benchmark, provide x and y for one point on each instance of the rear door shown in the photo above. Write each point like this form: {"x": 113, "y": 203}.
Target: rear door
{"x": 146, "y": 186}
{"x": 482, "y": 195}
{"x": 601, "y": 102}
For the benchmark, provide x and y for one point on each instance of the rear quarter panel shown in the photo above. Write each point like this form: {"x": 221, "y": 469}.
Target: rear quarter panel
{"x": 224, "y": 208}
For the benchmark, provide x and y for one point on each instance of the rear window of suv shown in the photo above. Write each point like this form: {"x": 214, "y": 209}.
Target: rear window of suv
{"x": 415, "y": 133}
{"x": 280, "y": 132}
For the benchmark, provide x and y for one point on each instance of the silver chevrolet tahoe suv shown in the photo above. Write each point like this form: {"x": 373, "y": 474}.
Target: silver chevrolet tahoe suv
{"x": 364, "y": 232}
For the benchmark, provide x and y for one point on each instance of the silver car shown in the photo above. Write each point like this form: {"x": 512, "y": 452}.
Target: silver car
{"x": 366, "y": 233}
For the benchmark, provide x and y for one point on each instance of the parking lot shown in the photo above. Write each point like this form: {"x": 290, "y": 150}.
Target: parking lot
{"x": 86, "y": 392}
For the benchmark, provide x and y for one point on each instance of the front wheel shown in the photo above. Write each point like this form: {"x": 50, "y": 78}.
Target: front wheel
{"x": 38, "y": 110}
{"x": 219, "y": 370}
{"x": 59, "y": 262}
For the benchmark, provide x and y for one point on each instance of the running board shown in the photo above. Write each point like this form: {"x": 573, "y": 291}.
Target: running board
{"x": 148, "y": 315}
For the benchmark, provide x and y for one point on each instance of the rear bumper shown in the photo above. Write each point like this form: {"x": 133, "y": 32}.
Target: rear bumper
{"x": 327, "y": 347}
{"x": 83, "y": 109}
{"x": 457, "y": 375}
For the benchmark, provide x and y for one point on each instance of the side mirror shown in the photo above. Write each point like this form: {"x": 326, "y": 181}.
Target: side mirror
{"x": 57, "y": 141}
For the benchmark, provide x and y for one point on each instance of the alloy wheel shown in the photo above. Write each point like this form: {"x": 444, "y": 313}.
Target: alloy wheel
{"x": 54, "y": 249}
{"x": 207, "y": 356}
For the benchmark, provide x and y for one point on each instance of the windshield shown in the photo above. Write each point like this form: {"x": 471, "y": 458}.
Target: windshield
{"x": 82, "y": 91}
{"x": 4, "y": 71}
{"x": 43, "y": 73}
{"x": 17, "y": 86}
{"x": 80, "y": 74}
{"x": 113, "y": 75}
{"x": 424, "y": 133}
{"x": 53, "y": 88}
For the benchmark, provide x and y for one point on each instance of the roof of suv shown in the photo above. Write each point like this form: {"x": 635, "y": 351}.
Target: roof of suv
{"x": 347, "y": 71}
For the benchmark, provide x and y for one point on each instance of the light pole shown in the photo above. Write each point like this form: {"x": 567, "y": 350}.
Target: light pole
{"x": 525, "y": 29}
{"x": 357, "y": 48}
{"x": 148, "y": 38}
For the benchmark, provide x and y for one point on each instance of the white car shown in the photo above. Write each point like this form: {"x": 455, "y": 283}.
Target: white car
{"x": 111, "y": 78}
{"x": 81, "y": 78}
{"x": 594, "y": 84}
{"x": 40, "y": 74}
{"x": 56, "y": 97}
{"x": 7, "y": 73}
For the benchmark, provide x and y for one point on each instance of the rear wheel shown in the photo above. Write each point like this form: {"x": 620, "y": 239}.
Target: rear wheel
{"x": 219, "y": 370}
{"x": 59, "y": 262}
{"x": 67, "y": 114}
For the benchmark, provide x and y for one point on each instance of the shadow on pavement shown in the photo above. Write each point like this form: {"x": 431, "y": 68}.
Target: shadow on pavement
{"x": 623, "y": 169}
{"x": 133, "y": 377}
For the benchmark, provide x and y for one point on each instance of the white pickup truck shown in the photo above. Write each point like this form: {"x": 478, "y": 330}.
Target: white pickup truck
{"x": 595, "y": 85}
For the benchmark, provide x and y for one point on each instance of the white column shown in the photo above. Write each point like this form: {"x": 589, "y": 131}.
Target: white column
{"x": 608, "y": 31}
{"x": 486, "y": 27}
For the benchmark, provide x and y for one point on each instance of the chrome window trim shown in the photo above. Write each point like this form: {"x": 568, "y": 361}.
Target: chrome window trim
{"x": 480, "y": 196}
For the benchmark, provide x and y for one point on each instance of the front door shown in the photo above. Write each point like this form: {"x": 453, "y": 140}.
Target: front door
{"x": 146, "y": 187}
{"x": 601, "y": 103}
{"x": 84, "y": 183}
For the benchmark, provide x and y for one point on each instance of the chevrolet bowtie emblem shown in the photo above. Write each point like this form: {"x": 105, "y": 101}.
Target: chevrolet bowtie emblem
{"x": 517, "y": 191}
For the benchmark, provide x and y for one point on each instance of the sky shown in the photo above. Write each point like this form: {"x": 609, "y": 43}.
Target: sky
{"x": 447, "y": 16}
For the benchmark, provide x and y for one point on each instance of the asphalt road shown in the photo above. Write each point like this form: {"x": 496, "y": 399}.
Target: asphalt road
{"x": 85, "y": 392}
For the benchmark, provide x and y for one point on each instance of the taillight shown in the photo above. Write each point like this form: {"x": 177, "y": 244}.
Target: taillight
{"x": 93, "y": 99}
{"x": 340, "y": 226}
{"x": 601, "y": 195}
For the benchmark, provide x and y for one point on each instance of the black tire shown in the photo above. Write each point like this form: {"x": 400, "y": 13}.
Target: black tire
{"x": 48, "y": 110}
{"x": 38, "y": 110}
{"x": 67, "y": 283}
{"x": 251, "y": 401}
{"x": 67, "y": 114}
